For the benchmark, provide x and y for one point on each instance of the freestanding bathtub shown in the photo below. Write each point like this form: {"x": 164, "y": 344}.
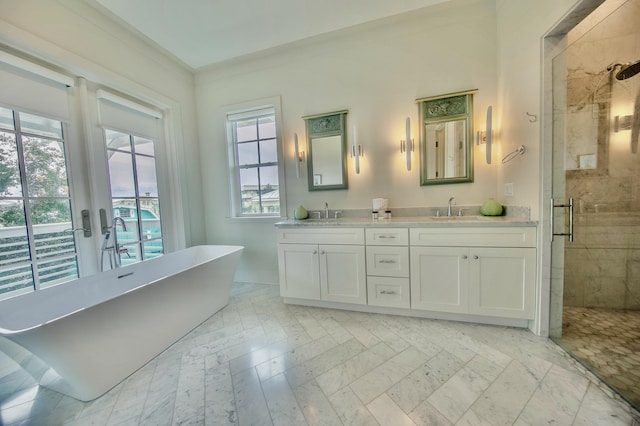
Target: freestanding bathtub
{"x": 90, "y": 334}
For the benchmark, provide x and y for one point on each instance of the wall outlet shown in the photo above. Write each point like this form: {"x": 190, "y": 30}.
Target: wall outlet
{"x": 508, "y": 189}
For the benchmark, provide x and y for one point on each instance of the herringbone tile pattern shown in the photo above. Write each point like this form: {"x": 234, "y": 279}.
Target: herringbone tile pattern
{"x": 261, "y": 362}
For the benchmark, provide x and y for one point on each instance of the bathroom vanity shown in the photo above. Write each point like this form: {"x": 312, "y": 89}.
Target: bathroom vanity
{"x": 478, "y": 269}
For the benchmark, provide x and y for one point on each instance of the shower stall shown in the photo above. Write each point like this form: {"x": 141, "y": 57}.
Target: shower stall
{"x": 596, "y": 194}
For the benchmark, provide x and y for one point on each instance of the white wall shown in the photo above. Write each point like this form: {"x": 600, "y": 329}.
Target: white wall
{"x": 521, "y": 26}
{"x": 81, "y": 41}
{"x": 376, "y": 71}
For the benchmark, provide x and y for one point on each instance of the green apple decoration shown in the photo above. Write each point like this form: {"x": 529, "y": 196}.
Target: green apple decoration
{"x": 300, "y": 213}
{"x": 491, "y": 208}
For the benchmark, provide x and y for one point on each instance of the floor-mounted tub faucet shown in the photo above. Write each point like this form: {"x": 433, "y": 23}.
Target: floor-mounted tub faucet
{"x": 114, "y": 250}
{"x": 116, "y": 246}
{"x": 449, "y": 208}
{"x": 326, "y": 210}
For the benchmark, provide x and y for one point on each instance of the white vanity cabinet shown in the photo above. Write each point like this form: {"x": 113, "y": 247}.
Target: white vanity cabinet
{"x": 476, "y": 272}
{"x": 480, "y": 271}
{"x": 323, "y": 264}
{"x": 388, "y": 267}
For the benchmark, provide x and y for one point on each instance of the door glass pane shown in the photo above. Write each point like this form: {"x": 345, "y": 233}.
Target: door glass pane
{"x": 150, "y": 218}
{"x": 121, "y": 174}
{"x": 14, "y": 245}
{"x": 147, "y": 181}
{"x": 144, "y": 146}
{"x": 9, "y": 172}
{"x": 127, "y": 210}
{"x": 16, "y": 279}
{"x": 46, "y": 167}
{"x": 152, "y": 249}
{"x": 42, "y": 126}
{"x": 57, "y": 270}
{"x": 117, "y": 140}
{"x": 6, "y": 119}
{"x": 51, "y": 218}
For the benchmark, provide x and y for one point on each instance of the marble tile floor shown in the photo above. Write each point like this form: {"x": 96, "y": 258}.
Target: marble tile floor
{"x": 260, "y": 362}
{"x": 607, "y": 342}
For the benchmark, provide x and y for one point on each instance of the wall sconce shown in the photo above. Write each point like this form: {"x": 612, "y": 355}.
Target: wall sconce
{"x": 406, "y": 145}
{"x": 621, "y": 123}
{"x": 356, "y": 150}
{"x": 486, "y": 136}
{"x": 299, "y": 155}
{"x": 626, "y": 122}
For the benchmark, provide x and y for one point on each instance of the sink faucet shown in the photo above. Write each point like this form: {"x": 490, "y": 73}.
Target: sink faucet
{"x": 449, "y": 208}
{"x": 326, "y": 210}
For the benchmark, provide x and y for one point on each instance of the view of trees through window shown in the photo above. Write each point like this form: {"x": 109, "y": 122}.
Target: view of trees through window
{"x": 36, "y": 248}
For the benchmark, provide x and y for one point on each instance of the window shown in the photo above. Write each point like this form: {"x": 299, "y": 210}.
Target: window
{"x": 134, "y": 195}
{"x": 254, "y": 162}
{"x": 37, "y": 248}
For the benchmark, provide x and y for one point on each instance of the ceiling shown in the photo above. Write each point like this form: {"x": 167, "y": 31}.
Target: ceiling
{"x": 204, "y": 32}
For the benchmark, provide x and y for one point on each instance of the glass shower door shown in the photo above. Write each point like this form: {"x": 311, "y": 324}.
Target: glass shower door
{"x": 596, "y": 163}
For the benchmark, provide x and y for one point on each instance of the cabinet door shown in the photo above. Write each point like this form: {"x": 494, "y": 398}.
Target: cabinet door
{"x": 299, "y": 271}
{"x": 502, "y": 282}
{"x": 343, "y": 274}
{"x": 439, "y": 279}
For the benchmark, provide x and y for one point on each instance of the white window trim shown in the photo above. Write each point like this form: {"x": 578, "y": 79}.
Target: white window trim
{"x": 233, "y": 177}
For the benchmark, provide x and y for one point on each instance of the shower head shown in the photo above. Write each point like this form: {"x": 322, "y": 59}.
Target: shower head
{"x": 627, "y": 70}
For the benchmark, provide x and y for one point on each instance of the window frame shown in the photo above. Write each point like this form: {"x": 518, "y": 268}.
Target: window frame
{"x": 253, "y": 110}
{"x": 26, "y": 198}
{"x": 137, "y": 199}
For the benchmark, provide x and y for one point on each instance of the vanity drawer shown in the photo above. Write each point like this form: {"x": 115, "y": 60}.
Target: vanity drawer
{"x": 321, "y": 235}
{"x": 516, "y": 236}
{"x": 387, "y": 236}
{"x": 388, "y": 261}
{"x": 389, "y": 292}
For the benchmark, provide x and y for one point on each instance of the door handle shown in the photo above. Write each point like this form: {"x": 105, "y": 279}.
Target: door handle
{"x": 104, "y": 226}
{"x": 553, "y": 206}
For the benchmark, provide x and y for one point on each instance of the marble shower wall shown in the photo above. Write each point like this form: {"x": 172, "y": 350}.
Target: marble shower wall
{"x": 602, "y": 265}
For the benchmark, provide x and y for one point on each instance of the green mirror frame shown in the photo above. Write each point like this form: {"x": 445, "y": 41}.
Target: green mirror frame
{"x": 327, "y": 151}
{"x": 446, "y": 138}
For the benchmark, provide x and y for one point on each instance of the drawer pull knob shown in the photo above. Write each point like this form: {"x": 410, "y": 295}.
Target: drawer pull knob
{"x": 476, "y": 256}
{"x": 387, "y": 292}
{"x": 321, "y": 251}
{"x": 315, "y": 252}
{"x": 464, "y": 257}
{"x": 386, "y": 261}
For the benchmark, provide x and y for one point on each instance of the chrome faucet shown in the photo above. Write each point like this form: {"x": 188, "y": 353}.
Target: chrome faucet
{"x": 449, "y": 208}
{"x": 114, "y": 250}
{"x": 116, "y": 246}
{"x": 326, "y": 210}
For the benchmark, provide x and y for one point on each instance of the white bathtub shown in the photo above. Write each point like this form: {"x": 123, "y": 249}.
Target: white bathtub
{"x": 90, "y": 334}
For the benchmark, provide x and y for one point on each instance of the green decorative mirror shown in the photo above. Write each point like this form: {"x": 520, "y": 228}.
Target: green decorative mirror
{"x": 327, "y": 146}
{"x": 446, "y": 131}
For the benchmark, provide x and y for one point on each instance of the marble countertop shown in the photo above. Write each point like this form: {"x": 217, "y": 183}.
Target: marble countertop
{"x": 409, "y": 221}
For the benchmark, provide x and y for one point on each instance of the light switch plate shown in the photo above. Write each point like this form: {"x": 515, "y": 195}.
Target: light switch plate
{"x": 508, "y": 189}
